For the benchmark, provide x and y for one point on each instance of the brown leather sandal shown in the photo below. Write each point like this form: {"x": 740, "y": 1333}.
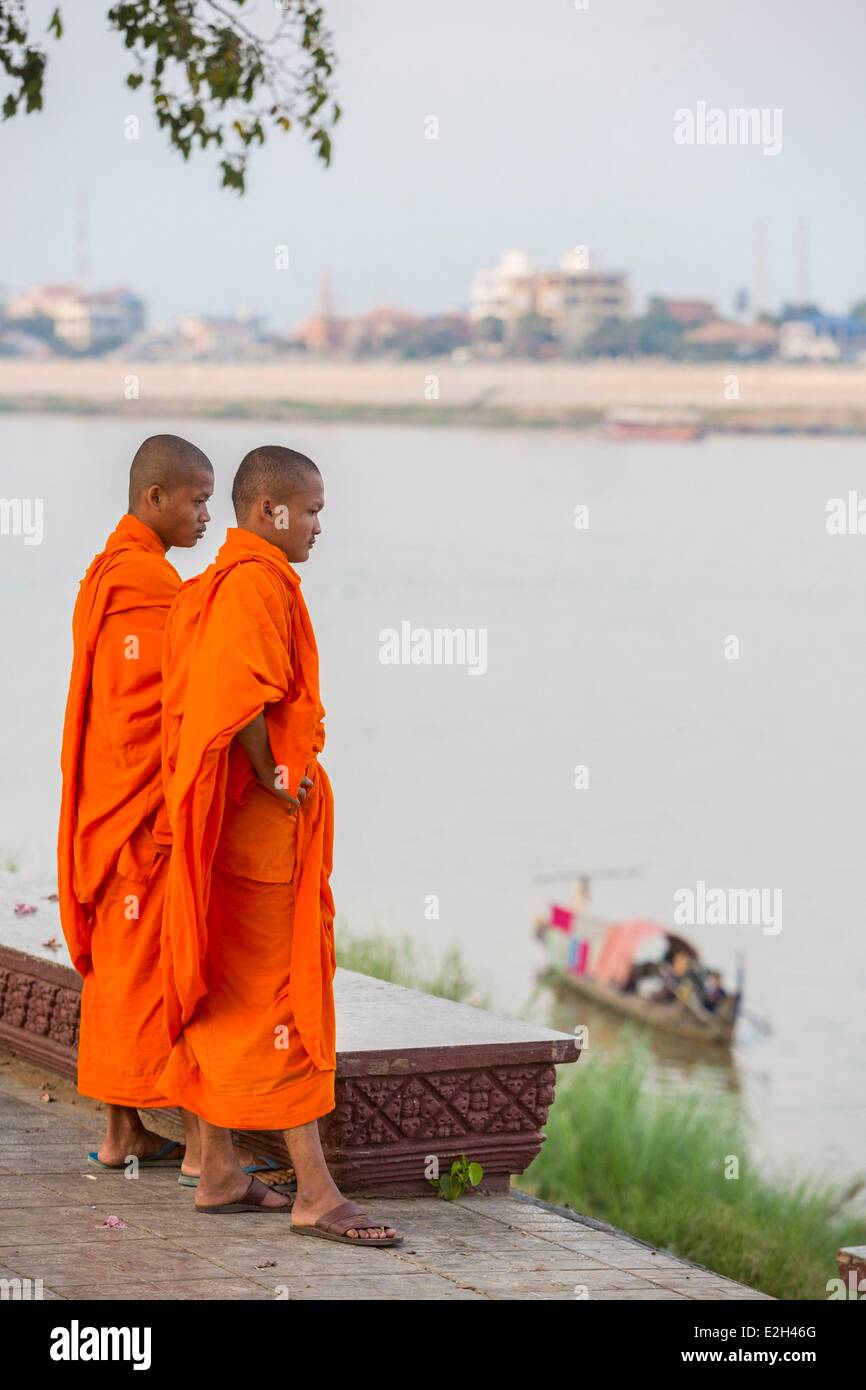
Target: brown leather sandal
{"x": 252, "y": 1200}
{"x": 348, "y": 1216}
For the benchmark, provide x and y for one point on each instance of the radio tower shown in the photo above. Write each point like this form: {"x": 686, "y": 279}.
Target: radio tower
{"x": 759, "y": 274}
{"x": 326, "y": 308}
{"x": 804, "y": 288}
{"x": 83, "y": 242}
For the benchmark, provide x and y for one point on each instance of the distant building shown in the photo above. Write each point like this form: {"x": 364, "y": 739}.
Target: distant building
{"x": 688, "y": 312}
{"x": 320, "y": 334}
{"x": 799, "y": 341}
{"x": 725, "y": 338}
{"x": 506, "y": 293}
{"x": 80, "y": 320}
{"x": 575, "y": 300}
{"x": 372, "y": 332}
{"x": 379, "y": 329}
{"x": 219, "y": 339}
{"x": 822, "y": 338}
{"x": 23, "y": 345}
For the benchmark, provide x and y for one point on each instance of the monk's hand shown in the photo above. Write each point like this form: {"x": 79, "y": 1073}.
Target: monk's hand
{"x": 256, "y": 744}
{"x": 303, "y": 787}
{"x": 288, "y": 800}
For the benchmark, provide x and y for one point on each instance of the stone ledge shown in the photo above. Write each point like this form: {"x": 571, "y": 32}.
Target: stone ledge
{"x": 417, "y": 1076}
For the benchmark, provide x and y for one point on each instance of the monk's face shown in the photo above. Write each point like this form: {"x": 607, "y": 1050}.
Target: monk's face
{"x": 294, "y": 523}
{"x": 180, "y": 513}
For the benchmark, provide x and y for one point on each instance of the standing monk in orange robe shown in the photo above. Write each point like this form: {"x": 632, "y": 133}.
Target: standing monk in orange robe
{"x": 114, "y": 836}
{"x": 248, "y": 942}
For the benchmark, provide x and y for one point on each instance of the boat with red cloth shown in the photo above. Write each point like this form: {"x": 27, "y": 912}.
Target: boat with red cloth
{"x": 639, "y": 969}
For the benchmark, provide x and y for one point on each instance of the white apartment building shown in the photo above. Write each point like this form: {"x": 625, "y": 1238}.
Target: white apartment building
{"x": 573, "y": 297}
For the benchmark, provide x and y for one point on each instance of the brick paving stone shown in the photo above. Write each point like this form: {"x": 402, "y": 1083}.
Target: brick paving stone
{"x": 385, "y": 1286}
{"x": 21, "y": 1191}
{"x": 644, "y": 1295}
{"x": 61, "y": 1225}
{"x": 91, "y": 1187}
{"x": 118, "y": 1260}
{"x": 193, "y": 1290}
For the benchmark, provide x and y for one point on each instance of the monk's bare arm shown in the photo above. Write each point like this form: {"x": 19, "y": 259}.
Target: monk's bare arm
{"x": 256, "y": 744}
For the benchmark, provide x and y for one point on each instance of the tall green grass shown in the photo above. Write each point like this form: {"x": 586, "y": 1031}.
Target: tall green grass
{"x": 653, "y": 1163}
{"x": 401, "y": 962}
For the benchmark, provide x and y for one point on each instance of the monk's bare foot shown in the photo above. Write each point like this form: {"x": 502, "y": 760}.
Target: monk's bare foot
{"x": 139, "y": 1144}
{"x": 234, "y": 1188}
{"x": 308, "y": 1212}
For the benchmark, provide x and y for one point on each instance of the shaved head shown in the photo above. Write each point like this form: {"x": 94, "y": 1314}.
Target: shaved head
{"x": 164, "y": 460}
{"x": 278, "y": 494}
{"x": 274, "y": 472}
{"x": 170, "y": 482}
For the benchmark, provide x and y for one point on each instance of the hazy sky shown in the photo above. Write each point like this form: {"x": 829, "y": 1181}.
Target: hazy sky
{"x": 556, "y": 129}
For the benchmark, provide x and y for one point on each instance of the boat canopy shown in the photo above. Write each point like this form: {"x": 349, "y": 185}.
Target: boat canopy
{"x": 616, "y": 954}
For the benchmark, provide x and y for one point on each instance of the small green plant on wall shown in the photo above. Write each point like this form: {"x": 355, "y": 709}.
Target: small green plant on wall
{"x": 453, "y": 1184}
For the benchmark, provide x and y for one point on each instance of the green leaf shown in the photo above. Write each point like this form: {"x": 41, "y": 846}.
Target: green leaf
{"x": 476, "y": 1173}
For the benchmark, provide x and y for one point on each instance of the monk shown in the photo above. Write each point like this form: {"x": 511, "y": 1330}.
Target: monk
{"x": 248, "y": 943}
{"x": 114, "y": 836}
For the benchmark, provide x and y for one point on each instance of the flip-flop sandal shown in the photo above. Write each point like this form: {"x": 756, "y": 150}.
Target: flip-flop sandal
{"x": 158, "y": 1160}
{"x": 348, "y": 1216}
{"x": 266, "y": 1165}
{"x": 252, "y": 1200}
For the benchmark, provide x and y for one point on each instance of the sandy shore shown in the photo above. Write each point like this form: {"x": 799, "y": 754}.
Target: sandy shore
{"x": 440, "y": 391}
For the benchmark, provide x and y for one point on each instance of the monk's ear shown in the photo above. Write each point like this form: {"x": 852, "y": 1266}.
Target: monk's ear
{"x": 154, "y": 495}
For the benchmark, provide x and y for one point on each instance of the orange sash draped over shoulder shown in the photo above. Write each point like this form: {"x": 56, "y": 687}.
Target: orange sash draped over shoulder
{"x": 239, "y": 641}
{"x": 111, "y": 754}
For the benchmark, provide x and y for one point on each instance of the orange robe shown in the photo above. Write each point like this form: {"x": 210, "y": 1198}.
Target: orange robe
{"x": 114, "y": 836}
{"x": 248, "y": 941}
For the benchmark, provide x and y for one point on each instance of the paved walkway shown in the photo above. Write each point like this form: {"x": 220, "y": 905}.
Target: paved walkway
{"x": 52, "y": 1211}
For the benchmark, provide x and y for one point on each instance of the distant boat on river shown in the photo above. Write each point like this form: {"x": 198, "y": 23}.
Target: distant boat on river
{"x": 645, "y": 422}
{"x": 639, "y": 969}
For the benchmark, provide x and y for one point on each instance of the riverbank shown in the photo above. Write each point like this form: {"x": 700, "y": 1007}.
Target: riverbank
{"x": 756, "y": 398}
{"x": 677, "y": 1169}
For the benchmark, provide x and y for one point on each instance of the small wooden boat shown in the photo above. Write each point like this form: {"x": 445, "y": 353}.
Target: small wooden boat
{"x": 643, "y": 422}
{"x": 597, "y": 960}
{"x": 683, "y": 1018}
